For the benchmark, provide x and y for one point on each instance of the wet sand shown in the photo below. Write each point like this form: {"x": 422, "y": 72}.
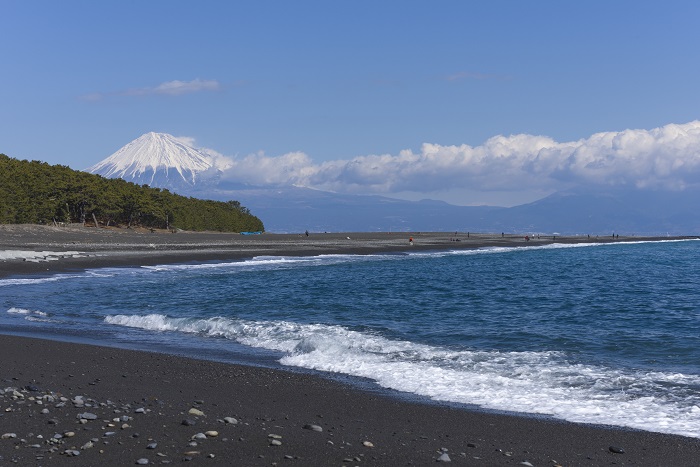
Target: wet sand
{"x": 66, "y": 403}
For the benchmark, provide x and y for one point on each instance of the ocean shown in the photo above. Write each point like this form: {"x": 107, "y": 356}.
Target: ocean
{"x": 596, "y": 333}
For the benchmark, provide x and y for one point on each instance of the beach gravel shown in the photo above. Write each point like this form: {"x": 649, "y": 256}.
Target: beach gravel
{"x": 272, "y": 408}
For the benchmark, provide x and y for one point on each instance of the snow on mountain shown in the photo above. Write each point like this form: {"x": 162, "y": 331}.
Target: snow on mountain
{"x": 158, "y": 160}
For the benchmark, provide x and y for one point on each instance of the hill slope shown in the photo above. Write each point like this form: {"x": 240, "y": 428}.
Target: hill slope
{"x": 35, "y": 192}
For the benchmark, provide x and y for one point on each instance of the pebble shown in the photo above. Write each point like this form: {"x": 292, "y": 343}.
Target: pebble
{"x": 526, "y": 463}
{"x": 616, "y": 450}
{"x": 313, "y": 427}
{"x": 188, "y": 422}
{"x": 9, "y": 435}
{"x": 444, "y": 457}
{"x": 152, "y": 446}
{"x": 275, "y": 442}
{"x": 368, "y": 444}
{"x": 87, "y": 416}
{"x": 199, "y": 436}
{"x": 212, "y": 433}
{"x": 230, "y": 420}
{"x": 72, "y": 452}
{"x": 196, "y": 412}
{"x": 142, "y": 461}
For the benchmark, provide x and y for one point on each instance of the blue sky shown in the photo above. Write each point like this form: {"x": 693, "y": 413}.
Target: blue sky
{"x": 318, "y": 85}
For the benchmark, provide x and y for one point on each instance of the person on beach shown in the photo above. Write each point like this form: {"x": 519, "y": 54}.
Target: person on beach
{"x": 410, "y": 241}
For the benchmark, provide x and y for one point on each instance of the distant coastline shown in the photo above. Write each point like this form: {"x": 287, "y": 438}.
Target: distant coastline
{"x": 134, "y": 247}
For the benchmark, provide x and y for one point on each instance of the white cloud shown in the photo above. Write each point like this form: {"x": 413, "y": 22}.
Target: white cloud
{"x": 175, "y": 88}
{"x": 169, "y": 88}
{"x": 667, "y": 157}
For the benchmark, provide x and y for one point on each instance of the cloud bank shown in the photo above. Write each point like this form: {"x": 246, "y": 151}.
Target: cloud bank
{"x": 662, "y": 158}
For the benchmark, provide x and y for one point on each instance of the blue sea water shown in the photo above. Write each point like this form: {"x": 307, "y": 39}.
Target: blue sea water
{"x": 595, "y": 333}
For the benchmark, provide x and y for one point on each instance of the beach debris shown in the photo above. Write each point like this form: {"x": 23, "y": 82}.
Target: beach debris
{"x": 444, "y": 457}
{"x": 312, "y": 427}
{"x": 8, "y": 435}
{"x": 616, "y": 450}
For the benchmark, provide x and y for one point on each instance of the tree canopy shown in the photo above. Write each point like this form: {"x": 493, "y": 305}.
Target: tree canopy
{"x": 38, "y": 193}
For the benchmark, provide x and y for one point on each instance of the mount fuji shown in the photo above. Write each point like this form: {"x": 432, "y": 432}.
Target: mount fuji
{"x": 159, "y": 160}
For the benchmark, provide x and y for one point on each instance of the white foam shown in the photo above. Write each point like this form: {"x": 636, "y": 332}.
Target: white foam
{"x": 272, "y": 262}
{"x": 531, "y": 382}
{"x": 54, "y": 278}
{"x": 22, "y": 311}
{"x": 30, "y": 315}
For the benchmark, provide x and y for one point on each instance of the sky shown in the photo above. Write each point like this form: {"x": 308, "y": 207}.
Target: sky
{"x": 472, "y": 102}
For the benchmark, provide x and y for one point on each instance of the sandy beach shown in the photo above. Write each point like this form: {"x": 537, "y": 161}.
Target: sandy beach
{"x": 67, "y": 403}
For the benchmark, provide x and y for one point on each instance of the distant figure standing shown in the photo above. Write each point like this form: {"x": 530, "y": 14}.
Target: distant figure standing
{"x": 410, "y": 241}
{"x": 307, "y": 233}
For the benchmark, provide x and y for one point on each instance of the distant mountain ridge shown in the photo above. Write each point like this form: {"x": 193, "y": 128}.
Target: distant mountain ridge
{"x": 161, "y": 160}
{"x": 158, "y": 160}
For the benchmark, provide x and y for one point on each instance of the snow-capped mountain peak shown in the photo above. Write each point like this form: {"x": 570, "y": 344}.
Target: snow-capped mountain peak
{"x": 159, "y": 160}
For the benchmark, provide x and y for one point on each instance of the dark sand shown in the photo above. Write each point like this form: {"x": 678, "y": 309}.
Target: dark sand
{"x": 155, "y": 392}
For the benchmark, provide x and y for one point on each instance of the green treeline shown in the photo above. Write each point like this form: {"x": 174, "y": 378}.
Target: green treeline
{"x": 38, "y": 193}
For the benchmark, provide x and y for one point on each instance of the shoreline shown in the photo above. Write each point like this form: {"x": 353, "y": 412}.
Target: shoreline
{"x": 101, "y": 248}
{"x": 117, "y": 406}
{"x": 140, "y": 398}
